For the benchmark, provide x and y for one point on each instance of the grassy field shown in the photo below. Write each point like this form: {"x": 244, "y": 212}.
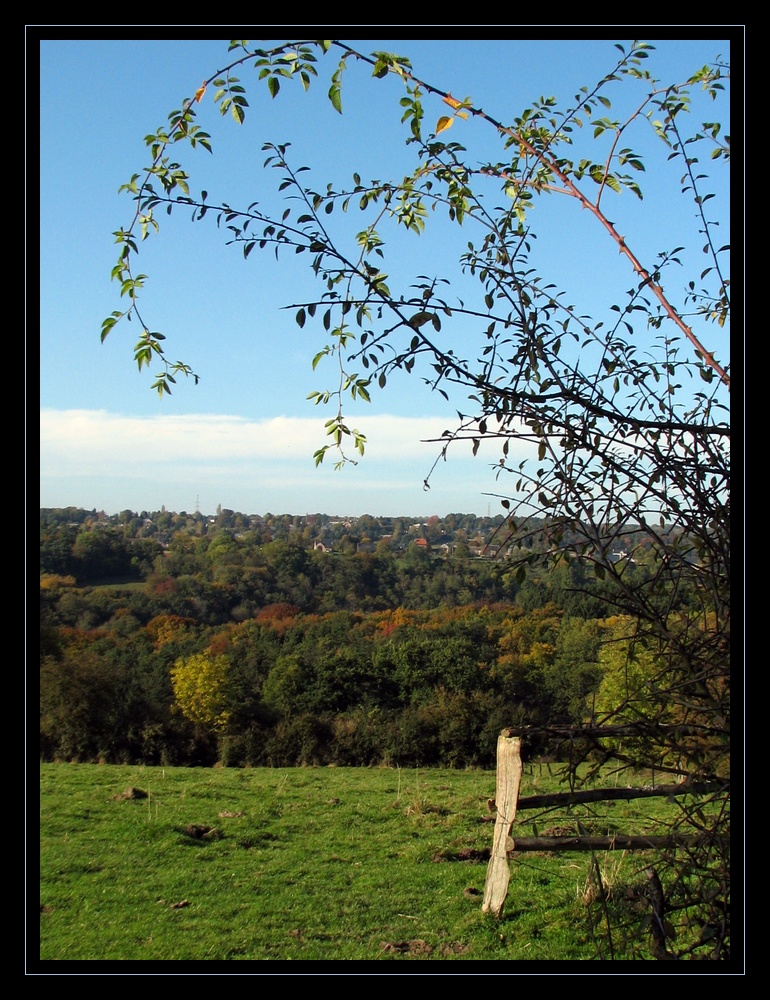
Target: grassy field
{"x": 304, "y": 864}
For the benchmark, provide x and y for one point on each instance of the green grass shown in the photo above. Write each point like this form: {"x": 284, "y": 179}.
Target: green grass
{"x": 313, "y": 864}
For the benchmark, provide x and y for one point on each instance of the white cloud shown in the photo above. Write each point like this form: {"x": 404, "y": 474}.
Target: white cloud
{"x": 91, "y": 438}
{"x": 111, "y": 461}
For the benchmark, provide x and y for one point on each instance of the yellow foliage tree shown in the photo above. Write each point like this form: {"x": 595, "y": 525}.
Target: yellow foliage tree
{"x": 201, "y": 685}
{"x": 168, "y": 628}
{"x": 53, "y": 581}
{"x": 629, "y": 672}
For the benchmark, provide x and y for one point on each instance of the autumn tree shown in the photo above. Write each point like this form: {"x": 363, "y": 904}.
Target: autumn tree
{"x": 200, "y": 685}
{"x": 625, "y": 412}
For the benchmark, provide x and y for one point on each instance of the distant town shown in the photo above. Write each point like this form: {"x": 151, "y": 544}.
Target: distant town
{"x": 479, "y": 536}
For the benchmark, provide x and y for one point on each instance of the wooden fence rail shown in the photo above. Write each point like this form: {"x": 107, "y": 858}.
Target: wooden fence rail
{"x": 508, "y": 803}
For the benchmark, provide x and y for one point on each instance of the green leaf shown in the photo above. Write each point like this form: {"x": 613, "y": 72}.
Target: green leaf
{"x": 108, "y": 323}
{"x": 335, "y": 96}
{"x": 273, "y": 85}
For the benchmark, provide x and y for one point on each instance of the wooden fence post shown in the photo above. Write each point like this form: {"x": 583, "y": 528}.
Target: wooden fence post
{"x": 508, "y": 782}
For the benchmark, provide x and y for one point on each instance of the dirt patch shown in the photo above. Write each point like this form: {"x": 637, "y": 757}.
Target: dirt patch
{"x": 457, "y": 948}
{"x": 131, "y": 793}
{"x": 415, "y": 947}
{"x": 199, "y": 831}
{"x": 464, "y": 854}
{"x": 559, "y": 831}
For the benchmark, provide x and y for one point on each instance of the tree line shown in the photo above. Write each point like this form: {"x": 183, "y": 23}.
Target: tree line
{"x": 214, "y": 573}
{"x": 216, "y": 648}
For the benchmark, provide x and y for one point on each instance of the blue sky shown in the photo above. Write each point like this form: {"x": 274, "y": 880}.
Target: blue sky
{"x": 245, "y": 436}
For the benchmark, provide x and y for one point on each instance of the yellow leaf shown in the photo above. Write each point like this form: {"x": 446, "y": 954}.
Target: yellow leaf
{"x": 451, "y": 101}
{"x": 462, "y": 114}
{"x": 200, "y": 92}
{"x": 443, "y": 123}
